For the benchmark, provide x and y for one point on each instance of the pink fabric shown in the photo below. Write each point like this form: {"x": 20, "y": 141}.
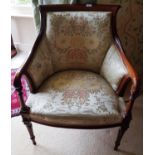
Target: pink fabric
{"x": 15, "y": 104}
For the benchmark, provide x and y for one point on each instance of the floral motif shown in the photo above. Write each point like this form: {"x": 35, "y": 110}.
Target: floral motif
{"x": 76, "y": 55}
{"x": 79, "y": 40}
{"x": 76, "y": 40}
{"x": 72, "y": 93}
{"x": 40, "y": 66}
{"x": 62, "y": 42}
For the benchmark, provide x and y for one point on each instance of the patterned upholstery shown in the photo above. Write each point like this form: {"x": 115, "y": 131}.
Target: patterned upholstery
{"x": 41, "y": 65}
{"x": 113, "y": 68}
{"x": 72, "y": 40}
{"x": 79, "y": 40}
{"x": 83, "y": 69}
{"x": 69, "y": 96}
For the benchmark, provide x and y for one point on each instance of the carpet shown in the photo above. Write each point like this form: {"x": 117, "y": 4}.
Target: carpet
{"x": 78, "y": 142}
{"x": 15, "y": 104}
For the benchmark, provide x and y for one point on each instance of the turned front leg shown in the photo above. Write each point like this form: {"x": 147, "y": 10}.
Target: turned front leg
{"x": 28, "y": 124}
{"x": 25, "y": 110}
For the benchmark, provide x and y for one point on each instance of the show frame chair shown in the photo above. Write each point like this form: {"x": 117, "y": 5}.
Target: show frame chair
{"x": 130, "y": 78}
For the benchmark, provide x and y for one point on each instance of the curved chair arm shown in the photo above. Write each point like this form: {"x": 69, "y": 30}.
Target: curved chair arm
{"x": 30, "y": 71}
{"x": 18, "y": 85}
{"x": 117, "y": 70}
{"x": 130, "y": 78}
{"x": 38, "y": 66}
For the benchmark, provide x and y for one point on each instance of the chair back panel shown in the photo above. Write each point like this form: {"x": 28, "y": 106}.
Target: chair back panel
{"x": 78, "y": 40}
{"x": 71, "y": 37}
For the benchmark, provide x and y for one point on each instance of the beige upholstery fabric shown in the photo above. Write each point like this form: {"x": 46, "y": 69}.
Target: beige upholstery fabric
{"x": 79, "y": 40}
{"x": 72, "y": 40}
{"x": 75, "y": 97}
{"x": 113, "y": 68}
{"x": 41, "y": 65}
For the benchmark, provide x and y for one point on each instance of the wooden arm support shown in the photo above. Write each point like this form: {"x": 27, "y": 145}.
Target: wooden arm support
{"x": 133, "y": 83}
{"x": 18, "y": 85}
{"x": 132, "y": 78}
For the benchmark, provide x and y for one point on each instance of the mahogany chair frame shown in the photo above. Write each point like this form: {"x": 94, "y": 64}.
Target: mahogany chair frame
{"x": 131, "y": 76}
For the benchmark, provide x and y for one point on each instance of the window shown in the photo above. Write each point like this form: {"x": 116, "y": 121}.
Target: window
{"x": 21, "y": 8}
{"x": 21, "y": 3}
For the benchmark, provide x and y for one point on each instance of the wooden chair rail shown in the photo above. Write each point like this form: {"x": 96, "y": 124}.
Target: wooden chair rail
{"x": 79, "y": 7}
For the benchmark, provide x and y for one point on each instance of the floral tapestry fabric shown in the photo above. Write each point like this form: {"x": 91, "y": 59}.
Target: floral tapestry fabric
{"x": 41, "y": 66}
{"x": 113, "y": 68}
{"x": 72, "y": 40}
{"x": 79, "y": 40}
{"x": 76, "y": 94}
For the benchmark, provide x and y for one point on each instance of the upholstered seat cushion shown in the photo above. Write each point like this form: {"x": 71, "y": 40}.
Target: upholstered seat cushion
{"x": 77, "y": 98}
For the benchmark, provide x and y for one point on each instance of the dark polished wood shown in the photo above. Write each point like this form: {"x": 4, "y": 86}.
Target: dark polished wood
{"x": 79, "y": 7}
{"x": 19, "y": 87}
{"x": 122, "y": 130}
{"x": 131, "y": 76}
{"x": 28, "y": 124}
{"x": 71, "y": 126}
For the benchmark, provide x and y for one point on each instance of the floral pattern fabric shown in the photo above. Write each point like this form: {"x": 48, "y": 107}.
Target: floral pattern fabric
{"x": 79, "y": 40}
{"x": 76, "y": 94}
{"x": 113, "y": 69}
{"x": 73, "y": 40}
{"x": 41, "y": 65}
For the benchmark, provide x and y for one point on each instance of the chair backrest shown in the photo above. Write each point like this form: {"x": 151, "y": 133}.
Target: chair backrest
{"x": 78, "y": 40}
{"x": 73, "y": 37}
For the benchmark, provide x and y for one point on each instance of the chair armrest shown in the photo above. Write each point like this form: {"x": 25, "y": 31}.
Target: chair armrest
{"x": 117, "y": 70}
{"x": 36, "y": 69}
{"x": 130, "y": 79}
{"x": 113, "y": 68}
{"x": 18, "y": 86}
{"x": 40, "y": 66}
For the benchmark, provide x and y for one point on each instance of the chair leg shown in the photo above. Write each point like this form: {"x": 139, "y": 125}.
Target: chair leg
{"x": 122, "y": 130}
{"x": 28, "y": 124}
